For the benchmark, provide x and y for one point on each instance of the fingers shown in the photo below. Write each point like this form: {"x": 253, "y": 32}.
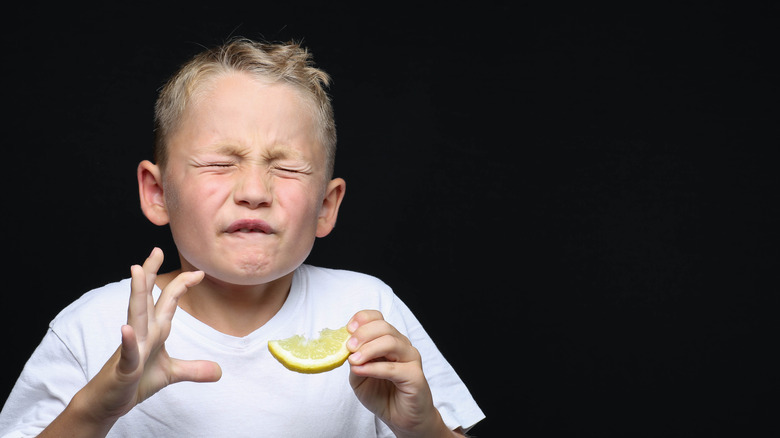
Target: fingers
{"x": 195, "y": 371}
{"x": 151, "y": 266}
{"x": 142, "y": 305}
{"x": 400, "y": 374}
{"x": 364, "y": 317}
{"x": 378, "y": 339}
{"x": 143, "y": 366}
{"x": 379, "y": 350}
{"x": 169, "y": 298}
{"x": 147, "y": 318}
{"x": 129, "y": 357}
{"x": 141, "y": 285}
{"x": 137, "y": 309}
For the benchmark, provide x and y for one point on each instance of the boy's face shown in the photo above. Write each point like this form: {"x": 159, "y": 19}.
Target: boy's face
{"x": 245, "y": 190}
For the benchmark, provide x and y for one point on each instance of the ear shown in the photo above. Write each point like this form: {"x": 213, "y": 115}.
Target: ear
{"x": 150, "y": 190}
{"x": 334, "y": 194}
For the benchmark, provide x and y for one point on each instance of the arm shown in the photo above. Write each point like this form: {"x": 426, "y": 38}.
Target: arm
{"x": 387, "y": 377}
{"x": 140, "y": 366}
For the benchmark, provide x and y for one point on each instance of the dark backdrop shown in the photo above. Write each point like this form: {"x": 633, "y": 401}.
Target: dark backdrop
{"x": 577, "y": 201}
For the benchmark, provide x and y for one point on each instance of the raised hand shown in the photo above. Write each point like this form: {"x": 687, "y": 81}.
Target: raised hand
{"x": 143, "y": 362}
{"x": 140, "y": 366}
{"x": 387, "y": 377}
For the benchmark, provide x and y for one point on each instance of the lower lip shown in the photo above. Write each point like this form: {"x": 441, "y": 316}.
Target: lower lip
{"x": 247, "y": 233}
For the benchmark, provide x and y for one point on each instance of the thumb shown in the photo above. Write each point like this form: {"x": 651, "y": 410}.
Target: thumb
{"x": 195, "y": 371}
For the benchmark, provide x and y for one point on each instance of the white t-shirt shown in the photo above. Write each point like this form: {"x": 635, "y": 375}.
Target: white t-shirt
{"x": 256, "y": 396}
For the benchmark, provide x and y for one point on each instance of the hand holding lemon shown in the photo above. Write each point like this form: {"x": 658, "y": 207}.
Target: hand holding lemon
{"x": 385, "y": 371}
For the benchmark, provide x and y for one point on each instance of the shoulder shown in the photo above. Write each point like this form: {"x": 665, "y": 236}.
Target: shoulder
{"x": 346, "y": 285}
{"x": 108, "y": 302}
{"x": 353, "y": 291}
{"x": 342, "y": 279}
{"x": 90, "y": 326}
{"x": 343, "y": 291}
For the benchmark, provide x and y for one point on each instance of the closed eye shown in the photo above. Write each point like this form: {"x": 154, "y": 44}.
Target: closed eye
{"x": 216, "y": 166}
{"x": 291, "y": 169}
{"x": 214, "y": 163}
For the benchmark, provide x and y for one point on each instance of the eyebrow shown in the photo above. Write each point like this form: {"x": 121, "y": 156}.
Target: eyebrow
{"x": 230, "y": 149}
{"x": 275, "y": 152}
{"x": 280, "y": 152}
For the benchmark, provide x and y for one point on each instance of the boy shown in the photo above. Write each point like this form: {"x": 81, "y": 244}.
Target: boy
{"x": 243, "y": 175}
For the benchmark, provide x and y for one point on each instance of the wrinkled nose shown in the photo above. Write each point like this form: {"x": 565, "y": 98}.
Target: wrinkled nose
{"x": 254, "y": 189}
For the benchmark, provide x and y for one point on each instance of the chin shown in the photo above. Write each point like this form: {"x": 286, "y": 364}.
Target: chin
{"x": 247, "y": 268}
{"x": 251, "y": 271}
{"x": 248, "y": 273}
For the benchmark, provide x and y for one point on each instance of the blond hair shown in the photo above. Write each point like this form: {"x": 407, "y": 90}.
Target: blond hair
{"x": 284, "y": 62}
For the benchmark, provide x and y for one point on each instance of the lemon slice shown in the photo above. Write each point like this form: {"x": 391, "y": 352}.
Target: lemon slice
{"x": 311, "y": 356}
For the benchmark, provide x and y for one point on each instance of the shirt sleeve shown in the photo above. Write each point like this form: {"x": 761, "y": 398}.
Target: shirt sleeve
{"x": 48, "y": 381}
{"x": 450, "y": 395}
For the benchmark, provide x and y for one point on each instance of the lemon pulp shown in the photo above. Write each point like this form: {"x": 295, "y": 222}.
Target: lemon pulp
{"x": 310, "y": 356}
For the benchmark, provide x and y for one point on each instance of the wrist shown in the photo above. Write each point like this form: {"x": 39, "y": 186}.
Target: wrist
{"x": 84, "y": 410}
{"x": 78, "y": 420}
{"x": 433, "y": 428}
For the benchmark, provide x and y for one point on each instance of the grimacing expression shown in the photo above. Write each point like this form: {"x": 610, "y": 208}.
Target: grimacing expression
{"x": 245, "y": 184}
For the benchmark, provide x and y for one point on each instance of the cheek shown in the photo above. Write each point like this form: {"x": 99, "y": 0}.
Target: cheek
{"x": 191, "y": 203}
{"x": 300, "y": 204}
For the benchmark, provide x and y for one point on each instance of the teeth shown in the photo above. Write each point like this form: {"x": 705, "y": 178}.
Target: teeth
{"x": 244, "y": 230}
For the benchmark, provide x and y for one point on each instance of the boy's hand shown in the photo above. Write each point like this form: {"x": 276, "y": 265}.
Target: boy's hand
{"x": 387, "y": 377}
{"x": 140, "y": 367}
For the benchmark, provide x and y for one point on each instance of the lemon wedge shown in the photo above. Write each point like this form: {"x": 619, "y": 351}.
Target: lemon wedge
{"x": 310, "y": 356}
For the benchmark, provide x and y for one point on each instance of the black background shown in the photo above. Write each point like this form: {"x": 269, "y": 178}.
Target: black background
{"x": 578, "y": 201}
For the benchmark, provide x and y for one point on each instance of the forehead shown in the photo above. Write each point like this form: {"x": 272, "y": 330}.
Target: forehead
{"x": 244, "y": 92}
{"x": 240, "y": 108}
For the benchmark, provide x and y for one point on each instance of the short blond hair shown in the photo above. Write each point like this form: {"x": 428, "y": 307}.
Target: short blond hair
{"x": 276, "y": 62}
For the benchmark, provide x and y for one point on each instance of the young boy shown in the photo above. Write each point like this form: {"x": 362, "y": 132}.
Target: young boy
{"x": 243, "y": 175}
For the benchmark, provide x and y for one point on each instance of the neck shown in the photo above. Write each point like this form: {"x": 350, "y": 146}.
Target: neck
{"x": 235, "y": 310}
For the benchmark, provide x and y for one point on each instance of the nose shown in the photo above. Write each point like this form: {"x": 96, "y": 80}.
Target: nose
{"x": 253, "y": 188}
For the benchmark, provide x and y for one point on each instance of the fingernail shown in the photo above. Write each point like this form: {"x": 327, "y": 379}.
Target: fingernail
{"x": 352, "y": 326}
{"x": 352, "y": 343}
